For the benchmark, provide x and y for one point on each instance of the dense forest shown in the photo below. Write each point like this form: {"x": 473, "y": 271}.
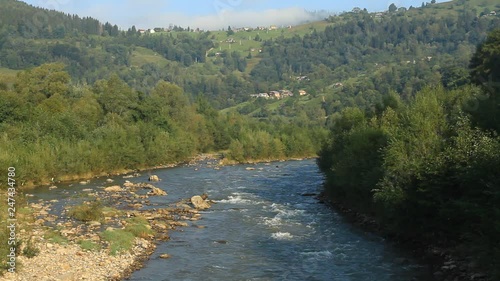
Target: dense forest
{"x": 52, "y": 129}
{"x": 427, "y": 168}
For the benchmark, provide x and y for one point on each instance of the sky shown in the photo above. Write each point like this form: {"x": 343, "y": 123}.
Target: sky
{"x": 212, "y": 14}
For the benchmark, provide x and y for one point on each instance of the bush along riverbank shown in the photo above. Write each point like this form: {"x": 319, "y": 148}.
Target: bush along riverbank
{"x": 106, "y": 236}
{"x": 427, "y": 170}
{"x": 53, "y": 130}
{"x": 426, "y": 175}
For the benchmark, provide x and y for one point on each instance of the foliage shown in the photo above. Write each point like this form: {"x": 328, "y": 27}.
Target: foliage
{"x": 30, "y": 250}
{"x": 485, "y": 71}
{"x": 119, "y": 240}
{"x": 54, "y": 236}
{"x": 422, "y": 169}
{"x": 88, "y": 245}
{"x": 87, "y": 211}
{"x": 139, "y": 227}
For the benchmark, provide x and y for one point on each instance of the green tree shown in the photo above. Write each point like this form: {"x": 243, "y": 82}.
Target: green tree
{"x": 393, "y": 8}
{"x": 229, "y": 31}
{"x": 485, "y": 71}
{"x": 43, "y": 82}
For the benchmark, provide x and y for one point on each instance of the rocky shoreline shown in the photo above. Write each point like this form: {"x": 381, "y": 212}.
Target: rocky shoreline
{"x": 60, "y": 238}
{"x": 444, "y": 264}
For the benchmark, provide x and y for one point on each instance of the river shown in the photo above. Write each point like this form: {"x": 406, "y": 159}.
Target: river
{"x": 264, "y": 228}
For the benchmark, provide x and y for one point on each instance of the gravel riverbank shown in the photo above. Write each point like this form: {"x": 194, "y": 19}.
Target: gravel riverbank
{"x": 71, "y": 249}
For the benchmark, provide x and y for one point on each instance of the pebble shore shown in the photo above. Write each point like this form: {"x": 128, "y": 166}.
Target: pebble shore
{"x": 67, "y": 261}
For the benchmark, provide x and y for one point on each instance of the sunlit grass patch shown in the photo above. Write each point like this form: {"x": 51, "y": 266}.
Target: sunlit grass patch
{"x": 119, "y": 240}
{"x": 87, "y": 212}
{"x": 89, "y": 245}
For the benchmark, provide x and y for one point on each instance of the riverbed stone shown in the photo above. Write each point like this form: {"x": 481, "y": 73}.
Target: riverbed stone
{"x": 199, "y": 203}
{"x": 157, "y": 192}
{"x": 114, "y": 188}
{"x": 154, "y": 178}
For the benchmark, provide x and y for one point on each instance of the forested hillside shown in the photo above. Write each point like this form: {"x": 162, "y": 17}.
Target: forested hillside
{"x": 352, "y": 59}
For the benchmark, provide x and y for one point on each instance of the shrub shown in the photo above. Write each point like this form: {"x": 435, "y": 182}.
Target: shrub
{"x": 30, "y": 251}
{"x": 87, "y": 211}
{"x": 119, "y": 240}
{"x": 138, "y": 226}
{"x": 55, "y": 237}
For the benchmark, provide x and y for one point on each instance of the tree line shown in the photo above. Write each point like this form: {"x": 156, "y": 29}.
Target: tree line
{"x": 51, "y": 128}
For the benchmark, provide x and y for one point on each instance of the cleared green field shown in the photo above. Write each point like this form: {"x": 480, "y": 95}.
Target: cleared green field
{"x": 142, "y": 56}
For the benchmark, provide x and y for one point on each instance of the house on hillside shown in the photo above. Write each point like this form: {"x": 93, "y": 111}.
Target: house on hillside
{"x": 151, "y": 31}
{"x": 142, "y": 31}
{"x": 273, "y": 27}
{"x": 260, "y": 95}
{"x": 302, "y": 93}
{"x": 286, "y": 93}
{"x": 301, "y": 78}
{"x": 274, "y": 95}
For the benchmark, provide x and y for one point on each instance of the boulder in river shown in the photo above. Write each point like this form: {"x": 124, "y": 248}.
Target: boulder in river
{"x": 164, "y": 256}
{"x": 154, "y": 178}
{"x": 155, "y": 191}
{"x": 199, "y": 203}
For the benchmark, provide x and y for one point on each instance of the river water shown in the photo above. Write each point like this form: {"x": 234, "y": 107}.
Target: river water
{"x": 264, "y": 228}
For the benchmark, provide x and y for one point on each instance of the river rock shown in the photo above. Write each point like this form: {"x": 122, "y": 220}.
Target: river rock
{"x": 164, "y": 256}
{"x": 94, "y": 224}
{"x": 154, "y": 178}
{"x": 109, "y": 180}
{"x": 52, "y": 187}
{"x": 199, "y": 203}
{"x": 128, "y": 184}
{"x": 157, "y": 192}
{"x": 146, "y": 186}
{"x": 178, "y": 223}
{"x": 114, "y": 188}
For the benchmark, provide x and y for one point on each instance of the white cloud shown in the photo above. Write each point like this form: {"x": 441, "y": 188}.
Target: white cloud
{"x": 224, "y": 18}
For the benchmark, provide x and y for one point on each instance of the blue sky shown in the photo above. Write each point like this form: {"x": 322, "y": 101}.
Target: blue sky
{"x": 210, "y": 14}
